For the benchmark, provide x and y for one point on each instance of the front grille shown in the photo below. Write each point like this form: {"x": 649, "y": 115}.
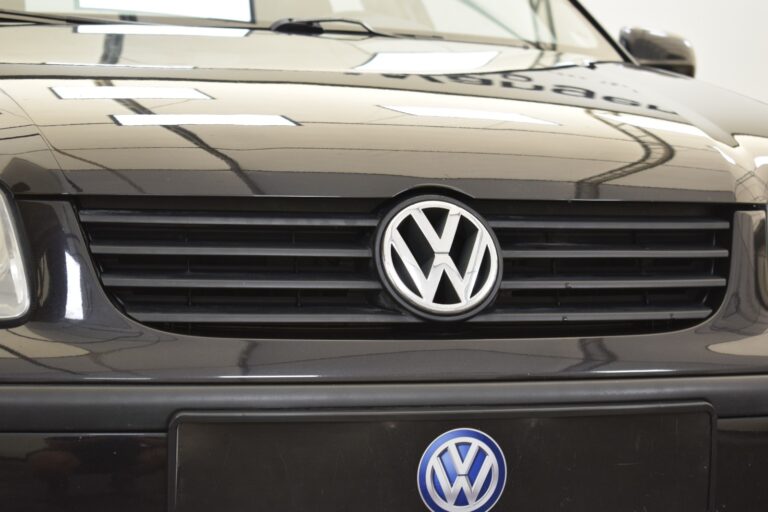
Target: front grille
{"x": 569, "y": 270}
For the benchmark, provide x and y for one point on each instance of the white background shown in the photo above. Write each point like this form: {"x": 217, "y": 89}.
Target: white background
{"x": 730, "y": 37}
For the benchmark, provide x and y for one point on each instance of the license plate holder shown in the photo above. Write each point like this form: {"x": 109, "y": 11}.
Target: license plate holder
{"x": 616, "y": 458}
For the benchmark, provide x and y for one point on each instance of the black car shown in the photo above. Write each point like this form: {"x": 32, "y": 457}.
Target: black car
{"x": 375, "y": 255}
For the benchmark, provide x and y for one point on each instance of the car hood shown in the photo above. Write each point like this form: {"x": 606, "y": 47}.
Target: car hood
{"x": 262, "y": 114}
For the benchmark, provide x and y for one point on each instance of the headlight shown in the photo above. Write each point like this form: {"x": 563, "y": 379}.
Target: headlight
{"x": 14, "y": 285}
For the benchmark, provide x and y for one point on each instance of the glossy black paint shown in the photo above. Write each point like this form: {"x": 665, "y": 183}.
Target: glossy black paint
{"x": 86, "y": 473}
{"x": 742, "y": 457}
{"x": 711, "y": 151}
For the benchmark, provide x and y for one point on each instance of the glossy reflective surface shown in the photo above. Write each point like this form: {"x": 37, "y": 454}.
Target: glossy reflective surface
{"x": 516, "y": 124}
{"x": 86, "y": 473}
{"x": 742, "y": 455}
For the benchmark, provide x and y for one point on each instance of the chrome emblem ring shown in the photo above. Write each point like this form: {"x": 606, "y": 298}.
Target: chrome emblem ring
{"x": 439, "y": 258}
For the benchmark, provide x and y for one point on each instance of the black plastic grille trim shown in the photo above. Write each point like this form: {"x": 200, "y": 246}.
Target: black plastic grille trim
{"x": 242, "y": 281}
{"x": 374, "y": 316}
{"x": 278, "y": 274}
{"x": 198, "y": 219}
{"x": 610, "y": 253}
{"x": 224, "y": 250}
{"x": 578, "y": 283}
{"x": 603, "y": 224}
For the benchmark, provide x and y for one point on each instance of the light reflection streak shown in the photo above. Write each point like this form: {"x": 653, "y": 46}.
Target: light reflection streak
{"x": 465, "y": 113}
{"x": 162, "y": 30}
{"x": 202, "y": 119}
{"x": 74, "y": 305}
{"x": 653, "y": 123}
{"x": 427, "y": 62}
{"x": 130, "y": 93}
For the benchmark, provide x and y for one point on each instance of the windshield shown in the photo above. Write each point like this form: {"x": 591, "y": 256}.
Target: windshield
{"x": 555, "y": 25}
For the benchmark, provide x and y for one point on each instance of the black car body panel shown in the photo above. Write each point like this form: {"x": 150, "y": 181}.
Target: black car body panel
{"x": 87, "y": 393}
{"x": 692, "y": 127}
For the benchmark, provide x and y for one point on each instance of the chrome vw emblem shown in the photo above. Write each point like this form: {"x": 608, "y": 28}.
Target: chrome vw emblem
{"x": 462, "y": 471}
{"x": 440, "y": 258}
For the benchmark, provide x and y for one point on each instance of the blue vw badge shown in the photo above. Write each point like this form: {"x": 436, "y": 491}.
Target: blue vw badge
{"x": 463, "y": 470}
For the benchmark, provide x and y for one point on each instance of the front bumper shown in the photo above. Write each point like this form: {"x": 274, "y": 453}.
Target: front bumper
{"x": 90, "y": 448}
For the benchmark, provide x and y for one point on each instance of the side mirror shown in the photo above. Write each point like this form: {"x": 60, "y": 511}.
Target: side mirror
{"x": 659, "y": 50}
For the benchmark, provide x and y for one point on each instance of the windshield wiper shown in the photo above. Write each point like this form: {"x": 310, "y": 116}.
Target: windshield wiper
{"x": 58, "y": 19}
{"x": 314, "y": 26}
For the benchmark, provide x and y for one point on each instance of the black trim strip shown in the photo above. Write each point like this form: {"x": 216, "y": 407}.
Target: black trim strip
{"x": 609, "y": 253}
{"x": 198, "y": 219}
{"x": 582, "y": 283}
{"x": 242, "y": 282}
{"x": 219, "y": 250}
{"x": 562, "y": 224}
{"x": 150, "y": 408}
{"x": 267, "y": 316}
{"x": 326, "y": 316}
{"x": 602, "y": 315}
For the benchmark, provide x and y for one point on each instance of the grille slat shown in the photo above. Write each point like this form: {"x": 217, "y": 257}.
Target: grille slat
{"x": 376, "y": 316}
{"x": 271, "y": 316}
{"x": 574, "y": 270}
{"x": 611, "y": 225}
{"x": 243, "y": 281}
{"x": 223, "y": 250}
{"x": 610, "y": 253}
{"x": 578, "y": 283}
{"x": 194, "y": 219}
{"x": 608, "y": 315}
